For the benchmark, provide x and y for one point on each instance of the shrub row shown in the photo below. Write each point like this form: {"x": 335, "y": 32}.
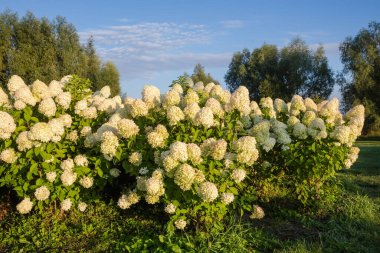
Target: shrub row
{"x": 197, "y": 151}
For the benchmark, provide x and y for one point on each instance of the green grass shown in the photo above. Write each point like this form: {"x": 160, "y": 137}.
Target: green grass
{"x": 349, "y": 224}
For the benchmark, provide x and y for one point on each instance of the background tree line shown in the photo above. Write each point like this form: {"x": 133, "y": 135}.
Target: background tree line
{"x": 36, "y": 48}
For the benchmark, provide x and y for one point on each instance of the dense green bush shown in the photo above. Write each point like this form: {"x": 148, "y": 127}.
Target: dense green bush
{"x": 43, "y": 154}
{"x": 198, "y": 150}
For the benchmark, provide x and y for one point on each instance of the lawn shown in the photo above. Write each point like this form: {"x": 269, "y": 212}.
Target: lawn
{"x": 350, "y": 223}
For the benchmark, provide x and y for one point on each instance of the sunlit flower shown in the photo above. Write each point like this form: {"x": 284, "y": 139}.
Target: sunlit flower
{"x": 25, "y": 206}
{"x": 184, "y": 176}
{"x": 42, "y": 193}
{"x": 227, "y": 198}
{"x": 208, "y": 191}
{"x": 66, "y": 204}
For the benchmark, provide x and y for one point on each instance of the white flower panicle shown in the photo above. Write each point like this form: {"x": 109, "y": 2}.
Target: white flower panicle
{"x": 86, "y": 131}
{"x": 215, "y": 107}
{"x": 4, "y": 100}
{"x": 191, "y": 111}
{"x": 257, "y": 213}
{"x": 174, "y": 115}
{"x": 158, "y": 137}
{"x": 55, "y": 88}
{"x": 86, "y": 182}
{"x": 25, "y": 95}
{"x": 238, "y": 175}
{"x": 135, "y": 158}
{"x": 184, "y": 177}
{"x": 127, "y": 128}
{"x": 208, "y": 191}
{"x": 190, "y": 97}
{"x": 109, "y": 145}
{"x": 82, "y": 206}
{"x": 68, "y": 177}
{"x": 8, "y": 155}
{"x": 170, "y": 208}
{"x": 41, "y": 132}
{"x": 15, "y": 83}
{"x": 126, "y": 201}
{"x": 40, "y": 90}
{"x": 204, "y": 117}
{"x": 280, "y": 106}
{"x": 178, "y": 150}
{"x": 64, "y": 100}
{"x": 66, "y": 204}
{"x": 7, "y": 125}
{"x": 317, "y": 129}
{"x": 51, "y": 176}
{"x": 227, "y": 198}
{"x": 25, "y": 206}
{"x": 194, "y": 153}
{"x": 67, "y": 164}
{"x": 297, "y": 105}
{"x": 139, "y": 108}
{"x": 151, "y": 96}
{"x": 240, "y": 100}
{"x": 180, "y": 224}
{"x": 42, "y": 193}
{"x": 300, "y": 131}
{"x": 246, "y": 150}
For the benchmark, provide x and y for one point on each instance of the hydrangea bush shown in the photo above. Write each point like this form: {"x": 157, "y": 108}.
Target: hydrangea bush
{"x": 197, "y": 151}
{"x": 42, "y": 131}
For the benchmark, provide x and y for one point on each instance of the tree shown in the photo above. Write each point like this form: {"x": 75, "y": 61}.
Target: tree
{"x": 199, "y": 74}
{"x": 71, "y": 57}
{"x": 7, "y": 37}
{"x": 39, "y": 49}
{"x": 93, "y": 63}
{"x": 109, "y": 75}
{"x": 360, "y": 79}
{"x": 294, "y": 69}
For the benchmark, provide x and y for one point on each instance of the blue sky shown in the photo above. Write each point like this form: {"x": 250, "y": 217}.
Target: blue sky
{"x": 153, "y": 42}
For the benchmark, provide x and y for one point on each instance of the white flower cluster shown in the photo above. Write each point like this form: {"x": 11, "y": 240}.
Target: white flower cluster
{"x": 126, "y": 201}
{"x": 208, "y": 191}
{"x": 25, "y": 206}
{"x": 7, "y": 125}
{"x": 245, "y": 148}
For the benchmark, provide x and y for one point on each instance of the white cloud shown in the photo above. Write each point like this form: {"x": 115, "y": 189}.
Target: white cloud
{"x": 142, "y": 50}
{"x": 233, "y": 24}
{"x": 331, "y": 48}
{"x": 309, "y": 35}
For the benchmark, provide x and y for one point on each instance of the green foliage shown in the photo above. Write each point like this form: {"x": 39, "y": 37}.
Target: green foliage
{"x": 78, "y": 87}
{"x": 109, "y": 75}
{"x": 270, "y": 72}
{"x": 360, "y": 80}
{"x": 351, "y": 224}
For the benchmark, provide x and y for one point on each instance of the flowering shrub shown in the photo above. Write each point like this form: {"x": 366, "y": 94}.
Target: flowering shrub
{"x": 42, "y": 152}
{"x": 198, "y": 150}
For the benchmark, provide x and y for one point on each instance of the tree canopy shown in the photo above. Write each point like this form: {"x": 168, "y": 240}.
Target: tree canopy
{"x": 269, "y": 71}
{"x": 36, "y": 48}
{"x": 199, "y": 74}
{"x": 360, "y": 80}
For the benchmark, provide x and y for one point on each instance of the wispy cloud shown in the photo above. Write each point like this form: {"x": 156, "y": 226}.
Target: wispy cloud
{"x": 142, "y": 50}
{"x": 309, "y": 35}
{"x": 233, "y": 24}
{"x": 331, "y": 48}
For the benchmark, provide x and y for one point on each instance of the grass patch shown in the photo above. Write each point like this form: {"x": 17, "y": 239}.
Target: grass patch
{"x": 350, "y": 224}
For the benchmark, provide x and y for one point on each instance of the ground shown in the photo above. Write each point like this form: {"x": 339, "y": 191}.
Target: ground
{"x": 350, "y": 223}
